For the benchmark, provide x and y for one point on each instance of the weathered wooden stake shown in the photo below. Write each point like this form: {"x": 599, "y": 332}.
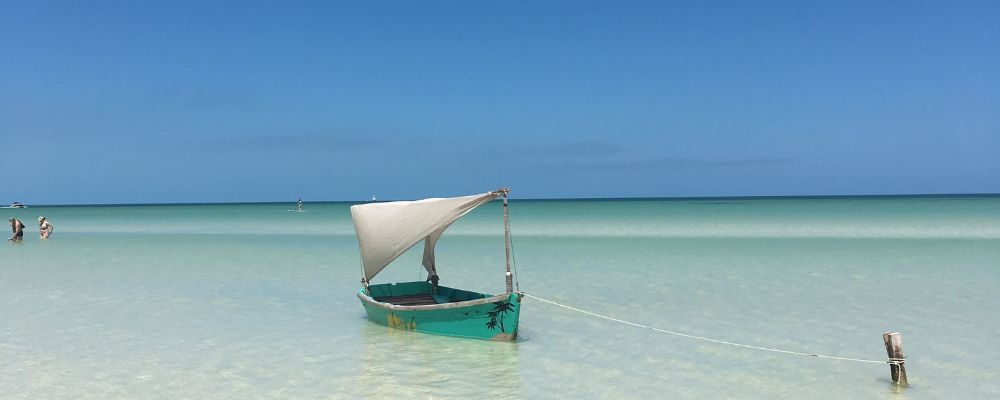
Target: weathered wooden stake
{"x": 894, "y": 347}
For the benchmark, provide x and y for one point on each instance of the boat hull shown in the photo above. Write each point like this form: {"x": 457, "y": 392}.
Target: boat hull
{"x": 489, "y": 317}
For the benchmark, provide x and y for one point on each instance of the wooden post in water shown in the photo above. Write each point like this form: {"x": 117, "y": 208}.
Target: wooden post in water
{"x": 894, "y": 347}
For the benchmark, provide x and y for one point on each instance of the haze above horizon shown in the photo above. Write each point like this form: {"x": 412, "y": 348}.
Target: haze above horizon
{"x": 192, "y": 102}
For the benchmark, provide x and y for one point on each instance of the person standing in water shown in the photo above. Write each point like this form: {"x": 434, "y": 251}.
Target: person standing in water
{"x": 17, "y": 227}
{"x": 298, "y": 206}
{"x": 44, "y": 228}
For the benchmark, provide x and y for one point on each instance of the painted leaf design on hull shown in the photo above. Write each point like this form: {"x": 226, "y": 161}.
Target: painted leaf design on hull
{"x": 500, "y": 309}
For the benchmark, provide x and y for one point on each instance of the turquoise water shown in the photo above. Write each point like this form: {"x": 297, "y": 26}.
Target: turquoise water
{"x": 252, "y": 301}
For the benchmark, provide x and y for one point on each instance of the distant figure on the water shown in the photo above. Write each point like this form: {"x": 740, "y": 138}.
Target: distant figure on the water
{"x": 17, "y": 227}
{"x": 44, "y": 228}
{"x": 298, "y": 206}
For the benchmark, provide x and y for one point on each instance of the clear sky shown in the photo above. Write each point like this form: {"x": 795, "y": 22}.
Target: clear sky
{"x": 217, "y": 101}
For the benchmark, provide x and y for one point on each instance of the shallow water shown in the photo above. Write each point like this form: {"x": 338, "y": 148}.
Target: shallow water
{"x": 252, "y": 301}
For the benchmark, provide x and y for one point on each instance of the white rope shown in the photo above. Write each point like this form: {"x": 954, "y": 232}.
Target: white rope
{"x": 892, "y": 361}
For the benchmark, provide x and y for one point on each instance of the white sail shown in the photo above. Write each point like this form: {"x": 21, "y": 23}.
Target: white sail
{"x": 387, "y": 230}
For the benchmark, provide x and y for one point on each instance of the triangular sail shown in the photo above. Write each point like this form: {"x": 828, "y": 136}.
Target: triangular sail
{"x": 387, "y": 230}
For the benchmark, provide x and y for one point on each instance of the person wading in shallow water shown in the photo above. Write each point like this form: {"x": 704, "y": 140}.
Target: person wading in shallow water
{"x": 17, "y": 227}
{"x": 44, "y": 228}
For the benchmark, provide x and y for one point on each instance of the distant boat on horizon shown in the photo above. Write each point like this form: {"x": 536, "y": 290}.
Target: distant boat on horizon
{"x": 16, "y": 205}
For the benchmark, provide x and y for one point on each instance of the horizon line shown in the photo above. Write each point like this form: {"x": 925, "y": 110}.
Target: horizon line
{"x": 734, "y": 197}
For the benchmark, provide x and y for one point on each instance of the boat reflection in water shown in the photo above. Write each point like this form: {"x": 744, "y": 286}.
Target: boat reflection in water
{"x": 400, "y": 364}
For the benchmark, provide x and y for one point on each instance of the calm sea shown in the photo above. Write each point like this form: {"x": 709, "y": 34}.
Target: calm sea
{"x": 253, "y": 301}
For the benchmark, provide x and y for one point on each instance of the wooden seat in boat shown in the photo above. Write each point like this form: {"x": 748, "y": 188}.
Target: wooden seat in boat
{"x": 409, "y": 300}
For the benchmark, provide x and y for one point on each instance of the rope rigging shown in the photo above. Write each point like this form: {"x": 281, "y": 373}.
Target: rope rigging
{"x": 892, "y": 361}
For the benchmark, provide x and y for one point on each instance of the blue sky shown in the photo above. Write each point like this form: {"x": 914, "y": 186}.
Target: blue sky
{"x": 135, "y": 102}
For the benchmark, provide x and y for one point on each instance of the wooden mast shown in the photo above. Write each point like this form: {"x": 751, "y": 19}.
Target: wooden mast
{"x": 506, "y": 239}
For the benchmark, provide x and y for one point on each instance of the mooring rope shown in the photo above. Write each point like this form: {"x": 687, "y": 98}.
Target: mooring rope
{"x": 799, "y": 353}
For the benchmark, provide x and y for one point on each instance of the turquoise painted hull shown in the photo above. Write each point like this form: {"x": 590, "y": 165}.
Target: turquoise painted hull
{"x": 449, "y": 312}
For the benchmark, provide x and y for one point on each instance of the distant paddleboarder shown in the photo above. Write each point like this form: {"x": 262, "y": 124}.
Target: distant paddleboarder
{"x": 298, "y": 206}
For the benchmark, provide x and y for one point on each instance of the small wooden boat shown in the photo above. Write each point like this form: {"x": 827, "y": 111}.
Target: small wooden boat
{"x": 387, "y": 230}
